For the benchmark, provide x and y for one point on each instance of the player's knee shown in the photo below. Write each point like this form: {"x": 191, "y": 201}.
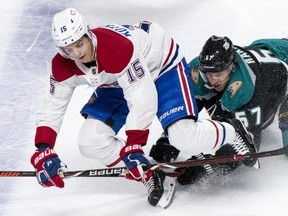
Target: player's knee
{"x": 97, "y": 141}
{"x": 106, "y": 150}
{"x": 183, "y": 135}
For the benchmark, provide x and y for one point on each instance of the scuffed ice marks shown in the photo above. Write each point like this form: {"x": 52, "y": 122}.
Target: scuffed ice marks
{"x": 24, "y": 73}
{"x": 23, "y": 76}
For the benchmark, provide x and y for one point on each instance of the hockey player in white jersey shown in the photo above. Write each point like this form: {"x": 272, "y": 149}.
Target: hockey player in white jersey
{"x": 138, "y": 72}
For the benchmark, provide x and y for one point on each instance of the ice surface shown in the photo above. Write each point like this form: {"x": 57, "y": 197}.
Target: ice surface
{"x": 24, "y": 56}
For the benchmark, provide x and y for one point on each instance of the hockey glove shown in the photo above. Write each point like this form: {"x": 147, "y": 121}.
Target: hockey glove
{"x": 48, "y": 167}
{"x": 163, "y": 151}
{"x": 134, "y": 159}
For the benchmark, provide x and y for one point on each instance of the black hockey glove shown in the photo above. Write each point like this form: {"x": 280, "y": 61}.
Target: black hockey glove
{"x": 163, "y": 151}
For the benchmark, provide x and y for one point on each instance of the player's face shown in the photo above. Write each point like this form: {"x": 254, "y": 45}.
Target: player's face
{"x": 81, "y": 50}
{"x": 219, "y": 80}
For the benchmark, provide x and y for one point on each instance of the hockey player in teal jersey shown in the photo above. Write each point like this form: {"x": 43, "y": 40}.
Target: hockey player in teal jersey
{"x": 248, "y": 83}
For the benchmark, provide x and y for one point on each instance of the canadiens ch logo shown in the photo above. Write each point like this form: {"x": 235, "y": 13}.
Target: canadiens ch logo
{"x": 234, "y": 87}
{"x": 195, "y": 75}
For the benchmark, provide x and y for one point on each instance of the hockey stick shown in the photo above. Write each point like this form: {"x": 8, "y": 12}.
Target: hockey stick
{"x": 105, "y": 172}
{"x": 220, "y": 160}
{"x": 119, "y": 171}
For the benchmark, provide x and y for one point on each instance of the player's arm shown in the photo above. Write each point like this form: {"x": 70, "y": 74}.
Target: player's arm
{"x": 51, "y": 113}
{"x": 141, "y": 95}
{"x": 123, "y": 59}
{"x": 45, "y": 160}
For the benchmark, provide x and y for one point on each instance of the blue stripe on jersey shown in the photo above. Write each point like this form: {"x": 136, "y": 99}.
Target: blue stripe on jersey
{"x": 172, "y": 60}
{"x": 224, "y": 133}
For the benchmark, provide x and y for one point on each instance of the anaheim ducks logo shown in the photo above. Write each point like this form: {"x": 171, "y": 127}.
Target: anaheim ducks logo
{"x": 234, "y": 87}
{"x": 195, "y": 75}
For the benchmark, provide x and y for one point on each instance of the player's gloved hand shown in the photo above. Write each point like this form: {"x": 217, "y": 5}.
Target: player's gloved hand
{"x": 134, "y": 159}
{"x": 48, "y": 167}
{"x": 163, "y": 151}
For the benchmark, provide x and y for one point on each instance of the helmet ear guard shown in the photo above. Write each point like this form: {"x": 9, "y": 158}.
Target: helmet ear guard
{"x": 217, "y": 54}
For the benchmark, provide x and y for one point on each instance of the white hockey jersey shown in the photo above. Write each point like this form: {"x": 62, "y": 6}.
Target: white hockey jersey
{"x": 130, "y": 57}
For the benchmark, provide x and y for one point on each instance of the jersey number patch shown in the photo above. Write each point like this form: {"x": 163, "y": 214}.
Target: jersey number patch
{"x": 243, "y": 117}
{"x": 135, "y": 72}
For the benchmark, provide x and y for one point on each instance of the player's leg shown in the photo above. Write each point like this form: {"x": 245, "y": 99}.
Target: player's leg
{"x": 105, "y": 114}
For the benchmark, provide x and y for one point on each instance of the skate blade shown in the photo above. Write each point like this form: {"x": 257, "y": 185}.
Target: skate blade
{"x": 257, "y": 165}
{"x": 169, "y": 185}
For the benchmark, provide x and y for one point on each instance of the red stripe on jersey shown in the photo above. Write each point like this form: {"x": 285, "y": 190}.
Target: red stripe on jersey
{"x": 185, "y": 89}
{"x": 170, "y": 51}
{"x": 217, "y": 133}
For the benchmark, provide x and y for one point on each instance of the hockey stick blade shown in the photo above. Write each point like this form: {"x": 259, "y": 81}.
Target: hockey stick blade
{"x": 120, "y": 171}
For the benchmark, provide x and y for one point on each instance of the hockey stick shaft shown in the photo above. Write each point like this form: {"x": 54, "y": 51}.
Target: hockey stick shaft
{"x": 119, "y": 171}
{"x": 221, "y": 159}
{"x": 106, "y": 172}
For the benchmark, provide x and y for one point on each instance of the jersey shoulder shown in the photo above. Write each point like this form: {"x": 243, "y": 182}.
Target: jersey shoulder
{"x": 114, "y": 48}
{"x": 63, "y": 68}
{"x": 279, "y": 47}
{"x": 240, "y": 87}
{"x": 194, "y": 70}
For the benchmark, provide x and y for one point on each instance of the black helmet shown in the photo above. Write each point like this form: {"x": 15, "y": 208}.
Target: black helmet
{"x": 217, "y": 54}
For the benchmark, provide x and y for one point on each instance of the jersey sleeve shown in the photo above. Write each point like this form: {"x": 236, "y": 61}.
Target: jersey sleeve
{"x": 279, "y": 47}
{"x": 50, "y": 114}
{"x": 141, "y": 95}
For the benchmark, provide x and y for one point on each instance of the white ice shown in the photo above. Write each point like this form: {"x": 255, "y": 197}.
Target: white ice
{"x": 24, "y": 63}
